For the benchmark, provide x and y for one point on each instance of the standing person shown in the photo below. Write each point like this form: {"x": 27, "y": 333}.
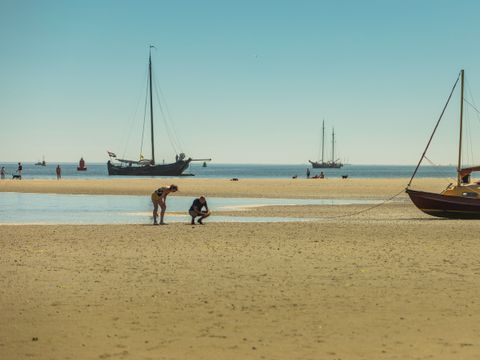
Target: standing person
{"x": 196, "y": 210}
{"x": 19, "y": 170}
{"x": 58, "y": 170}
{"x": 308, "y": 173}
{"x": 159, "y": 197}
{"x": 2, "y": 173}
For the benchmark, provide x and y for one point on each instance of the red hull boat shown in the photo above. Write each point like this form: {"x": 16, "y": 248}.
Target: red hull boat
{"x": 81, "y": 165}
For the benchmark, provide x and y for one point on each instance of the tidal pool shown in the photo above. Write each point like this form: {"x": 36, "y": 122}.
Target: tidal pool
{"x": 24, "y": 208}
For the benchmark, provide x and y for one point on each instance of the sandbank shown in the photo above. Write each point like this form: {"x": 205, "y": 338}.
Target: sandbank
{"x": 389, "y": 283}
{"x": 273, "y": 188}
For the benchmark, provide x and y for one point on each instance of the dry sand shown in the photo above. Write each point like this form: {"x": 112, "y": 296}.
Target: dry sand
{"x": 390, "y": 283}
{"x": 273, "y": 188}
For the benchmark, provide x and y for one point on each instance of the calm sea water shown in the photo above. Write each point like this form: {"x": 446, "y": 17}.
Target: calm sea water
{"x": 99, "y": 171}
{"x": 19, "y": 208}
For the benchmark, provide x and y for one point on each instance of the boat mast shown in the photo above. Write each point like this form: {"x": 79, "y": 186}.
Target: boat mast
{"x": 333, "y": 145}
{"x": 323, "y": 138}
{"x": 459, "y": 167}
{"x": 151, "y": 103}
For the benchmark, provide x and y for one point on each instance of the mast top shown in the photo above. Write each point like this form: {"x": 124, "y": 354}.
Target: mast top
{"x": 459, "y": 166}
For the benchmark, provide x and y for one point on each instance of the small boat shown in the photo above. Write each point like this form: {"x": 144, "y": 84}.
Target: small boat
{"x": 148, "y": 167}
{"x": 460, "y": 201}
{"x": 41, "y": 163}
{"x": 81, "y": 165}
{"x": 332, "y": 164}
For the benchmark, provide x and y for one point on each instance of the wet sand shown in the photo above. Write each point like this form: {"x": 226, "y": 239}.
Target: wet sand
{"x": 390, "y": 283}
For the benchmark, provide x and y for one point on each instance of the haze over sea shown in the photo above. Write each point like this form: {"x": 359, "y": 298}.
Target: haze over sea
{"x": 213, "y": 170}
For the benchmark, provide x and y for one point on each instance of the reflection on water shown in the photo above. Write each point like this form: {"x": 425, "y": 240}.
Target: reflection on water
{"x": 21, "y": 208}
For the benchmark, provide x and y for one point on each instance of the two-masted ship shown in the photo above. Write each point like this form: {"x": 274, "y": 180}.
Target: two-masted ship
{"x": 331, "y": 164}
{"x": 457, "y": 201}
{"x": 148, "y": 167}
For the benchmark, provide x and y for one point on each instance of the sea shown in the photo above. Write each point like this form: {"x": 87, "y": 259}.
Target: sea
{"x": 241, "y": 171}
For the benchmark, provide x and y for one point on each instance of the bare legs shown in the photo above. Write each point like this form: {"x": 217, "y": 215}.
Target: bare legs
{"x": 201, "y": 215}
{"x": 163, "y": 207}
{"x": 155, "y": 212}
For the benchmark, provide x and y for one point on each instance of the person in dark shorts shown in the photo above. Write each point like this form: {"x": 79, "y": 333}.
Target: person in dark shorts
{"x": 159, "y": 197}
{"x": 196, "y": 210}
{"x": 19, "y": 170}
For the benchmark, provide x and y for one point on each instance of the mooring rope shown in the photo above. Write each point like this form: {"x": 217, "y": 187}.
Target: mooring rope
{"x": 364, "y": 210}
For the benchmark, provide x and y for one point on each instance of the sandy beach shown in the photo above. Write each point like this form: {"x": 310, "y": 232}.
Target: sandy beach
{"x": 390, "y": 283}
{"x": 273, "y": 188}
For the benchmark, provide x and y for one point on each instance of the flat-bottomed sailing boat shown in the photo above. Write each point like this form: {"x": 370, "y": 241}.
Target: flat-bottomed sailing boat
{"x": 148, "y": 167}
{"x": 461, "y": 201}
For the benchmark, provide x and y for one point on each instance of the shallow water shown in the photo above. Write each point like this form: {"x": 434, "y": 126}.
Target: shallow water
{"x": 23, "y": 208}
{"x": 241, "y": 171}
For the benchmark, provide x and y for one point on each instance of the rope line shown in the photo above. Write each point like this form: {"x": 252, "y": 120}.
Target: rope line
{"x": 364, "y": 210}
{"x": 144, "y": 120}
{"x": 433, "y": 133}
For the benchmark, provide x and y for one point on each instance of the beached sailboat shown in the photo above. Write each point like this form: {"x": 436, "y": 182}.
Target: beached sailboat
{"x": 148, "y": 167}
{"x": 332, "y": 164}
{"x": 461, "y": 201}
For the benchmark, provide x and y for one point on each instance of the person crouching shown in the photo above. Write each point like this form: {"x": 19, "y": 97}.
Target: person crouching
{"x": 196, "y": 210}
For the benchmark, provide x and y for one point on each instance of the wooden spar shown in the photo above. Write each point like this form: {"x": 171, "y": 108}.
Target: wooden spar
{"x": 459, "y": 167}
{"x": 151, "y": 103}
{"x": 323, "y": 138}
{"x": 333, "y": 145}
{"x": 433, "y": 132}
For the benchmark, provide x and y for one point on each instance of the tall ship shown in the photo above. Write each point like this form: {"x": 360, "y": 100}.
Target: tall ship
{"x": 460, "y": 200}
{"x": 331, "y": 164}
{"x": 148, "y": 167}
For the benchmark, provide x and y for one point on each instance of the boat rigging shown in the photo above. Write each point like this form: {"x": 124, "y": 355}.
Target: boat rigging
{"x": 148, "y": 167}
{"x": 332, "y": 164}
{"x": 462, "y": 200}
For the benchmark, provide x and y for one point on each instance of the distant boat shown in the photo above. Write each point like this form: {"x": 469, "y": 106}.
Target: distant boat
{"x": 332, "y": 164}
{"x": 148, "y": 167}
{"x": 459, "y": 201}
{"x": 41, "y": 163}
{"x": 81, "y": 165}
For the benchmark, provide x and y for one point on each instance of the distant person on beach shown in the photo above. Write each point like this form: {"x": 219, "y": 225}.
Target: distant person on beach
{"x": 58, "y": 171}
{"x": 2, "y": 173}
{"x": 196, "y": 210}
{"x": 322, "y": 175}
{"x": 308, "y": 173}
{"x": 19, "y": 170}
{"x": 159, "y": 197}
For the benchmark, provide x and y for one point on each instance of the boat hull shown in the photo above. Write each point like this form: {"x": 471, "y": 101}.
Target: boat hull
{"x": 453, "y": 207}
{"x": 174, "y": 169}
{"x": 328, "y": 165}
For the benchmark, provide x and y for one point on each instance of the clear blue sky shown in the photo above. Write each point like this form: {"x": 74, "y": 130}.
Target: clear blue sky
{"x": 244, "y": 81}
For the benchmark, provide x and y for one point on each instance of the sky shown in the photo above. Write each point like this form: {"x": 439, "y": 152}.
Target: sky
{"x": 242, "y": 81}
